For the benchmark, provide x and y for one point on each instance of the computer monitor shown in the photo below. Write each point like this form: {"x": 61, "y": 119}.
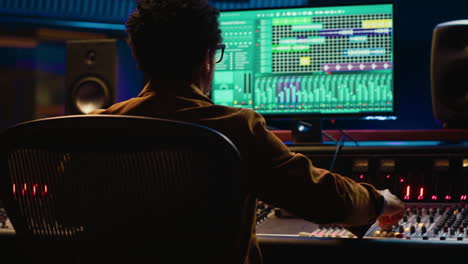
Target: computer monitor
{"x": 310, "y": 62}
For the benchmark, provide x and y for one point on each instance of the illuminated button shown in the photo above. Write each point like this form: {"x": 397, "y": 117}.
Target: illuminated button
{"x": 304, "y": 234}
{"x": 316, "y": 232}
{"x": 399, "y": 235}
{"x": 335, "y": 234}
{"x": 328, "y": 233}
{"x": 377, "y": 233}
{"x": 391, "y": 234}
{"x": 342, "y": 233}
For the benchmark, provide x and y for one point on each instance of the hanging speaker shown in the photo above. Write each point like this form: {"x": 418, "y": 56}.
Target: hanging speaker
{"x": 91, "y": 77}
{"x": 449, "y": 73}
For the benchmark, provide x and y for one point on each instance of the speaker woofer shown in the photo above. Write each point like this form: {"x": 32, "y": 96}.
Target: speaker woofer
{"x": 90, "y": 94}
{"x": 91, "y": 79}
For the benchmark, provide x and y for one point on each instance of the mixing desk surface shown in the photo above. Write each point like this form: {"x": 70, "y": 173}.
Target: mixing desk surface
{"x": 432, "y": 181}
{"x": 441, "y": 222}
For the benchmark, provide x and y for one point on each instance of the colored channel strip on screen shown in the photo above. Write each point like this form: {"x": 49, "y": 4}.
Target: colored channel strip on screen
{"x": 321, "y": 60}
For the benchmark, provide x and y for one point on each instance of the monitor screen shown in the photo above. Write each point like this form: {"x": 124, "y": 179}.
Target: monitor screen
{"x": 336, "y": 60}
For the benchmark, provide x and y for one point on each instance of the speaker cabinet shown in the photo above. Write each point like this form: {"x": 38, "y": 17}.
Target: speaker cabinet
{"x": 449, "y": 73}
{"x": 91, "y": 77}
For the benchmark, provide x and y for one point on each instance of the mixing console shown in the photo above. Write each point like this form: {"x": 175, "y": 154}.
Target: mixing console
{"x": 432, "y": 181}
{"x": 420, "y": 222}
{"x": 5, "y": 226}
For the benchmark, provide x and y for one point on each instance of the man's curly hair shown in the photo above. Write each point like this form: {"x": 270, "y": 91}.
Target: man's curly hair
{"x": 170, "y": 38}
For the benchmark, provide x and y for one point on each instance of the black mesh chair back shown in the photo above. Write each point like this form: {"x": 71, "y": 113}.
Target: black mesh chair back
{"x": 122, "y": 189}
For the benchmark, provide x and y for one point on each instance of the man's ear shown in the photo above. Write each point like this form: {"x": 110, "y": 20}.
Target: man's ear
{"x": 209, "y": 60}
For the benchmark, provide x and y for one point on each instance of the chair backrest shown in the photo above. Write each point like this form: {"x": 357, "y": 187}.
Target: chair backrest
{"x": 90, "y": 188}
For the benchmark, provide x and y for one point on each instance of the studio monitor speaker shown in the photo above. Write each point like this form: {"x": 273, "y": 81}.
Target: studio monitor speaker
{"x": 449, "y": 73}
{"x": 91, "y": 77}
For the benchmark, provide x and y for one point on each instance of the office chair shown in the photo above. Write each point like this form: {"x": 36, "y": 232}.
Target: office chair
{"x": 122, "y": 189}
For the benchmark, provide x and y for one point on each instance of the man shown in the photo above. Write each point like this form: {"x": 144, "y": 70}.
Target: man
{"x": 174, "y": 42}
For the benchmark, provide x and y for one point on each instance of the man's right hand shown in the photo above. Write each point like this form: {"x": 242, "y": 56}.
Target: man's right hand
{"x": 393, "y": 211}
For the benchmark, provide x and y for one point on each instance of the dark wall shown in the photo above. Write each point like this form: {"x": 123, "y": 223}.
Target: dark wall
{"x": 17, "y": 75}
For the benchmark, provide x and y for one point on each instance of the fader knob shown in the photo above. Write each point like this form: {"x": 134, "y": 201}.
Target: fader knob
{"x": 423, "y": 229}
{"x": 452, "y": 231}
{"x": 412, "y": 229}
{"x": 401, "y": 229}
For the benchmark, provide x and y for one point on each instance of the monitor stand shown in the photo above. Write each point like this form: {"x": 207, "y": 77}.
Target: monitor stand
{"x": 307, "y": 132}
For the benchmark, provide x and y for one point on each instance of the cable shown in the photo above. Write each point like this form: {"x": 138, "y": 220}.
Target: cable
{"x": 339, "y": 146}
{"x": 349, "y": 136}
{"x": 329, "y": 137}
{"x": 344, "y": 133}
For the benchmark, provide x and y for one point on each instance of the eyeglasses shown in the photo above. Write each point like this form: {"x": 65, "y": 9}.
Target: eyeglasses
{"x": 219, "y": 52}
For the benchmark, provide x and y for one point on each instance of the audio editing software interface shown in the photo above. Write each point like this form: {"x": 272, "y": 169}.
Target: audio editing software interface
{"x": 323, "y": 60}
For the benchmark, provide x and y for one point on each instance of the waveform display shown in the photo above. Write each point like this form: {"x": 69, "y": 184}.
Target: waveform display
{"x": 322, "y": 93}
